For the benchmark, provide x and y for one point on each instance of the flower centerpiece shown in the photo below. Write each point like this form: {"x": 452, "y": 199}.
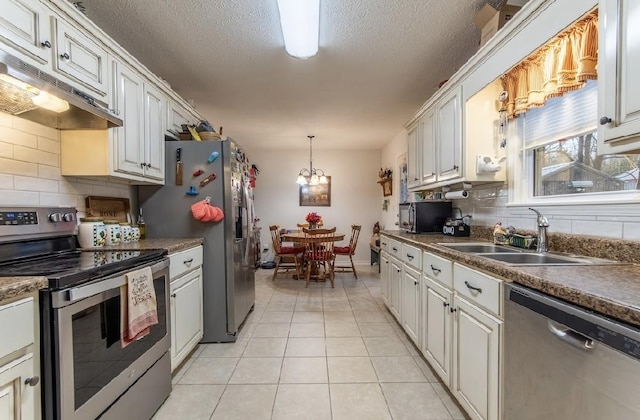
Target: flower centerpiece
{"x": 313, "y": 218}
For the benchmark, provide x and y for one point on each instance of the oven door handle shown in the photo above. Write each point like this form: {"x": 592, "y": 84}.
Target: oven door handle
{"x": 98, "y": 287}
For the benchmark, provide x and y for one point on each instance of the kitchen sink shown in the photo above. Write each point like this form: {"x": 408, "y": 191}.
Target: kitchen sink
{"x": 521, "y": 257}
{"x": 480, "y": 248}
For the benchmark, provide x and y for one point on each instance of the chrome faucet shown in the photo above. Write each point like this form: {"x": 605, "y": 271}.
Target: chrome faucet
{"x": 543, "y": 224}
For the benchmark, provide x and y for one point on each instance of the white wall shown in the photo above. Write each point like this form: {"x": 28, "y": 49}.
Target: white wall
{"x": 30, "y": 169}
{"x": 356, "y": 198}
{"x": 389, "y": 155}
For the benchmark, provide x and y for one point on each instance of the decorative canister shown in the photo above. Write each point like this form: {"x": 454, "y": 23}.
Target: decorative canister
{"x": 113, "y": 232}
{"x": 135, "y": 233}
{"x": 91, "y": 232}
{"x": 125, "y": 231}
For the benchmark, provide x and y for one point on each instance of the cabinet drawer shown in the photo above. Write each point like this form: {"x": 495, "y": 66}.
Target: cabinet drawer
{"x": 438, "y": 268}
{"x": 412, "y": 256}
{"x": 395, "y": 248}
{"x": 18, "y": 328}
{"x": 384, "y": 243}
{"x": 466, "y": 282}
{"x": 185, "y": 261}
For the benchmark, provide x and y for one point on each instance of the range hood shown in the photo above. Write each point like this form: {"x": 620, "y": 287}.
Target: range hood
{"x": 23, "y": 85}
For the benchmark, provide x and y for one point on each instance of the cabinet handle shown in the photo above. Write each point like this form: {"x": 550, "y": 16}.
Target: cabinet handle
{"x": 411, "y": 257}
{"x": 605, "y": 120}
{"x": 189, "y": 261}
{"x": 445, "y": 304}
{"x": 148, "y": 165}
{"x": 415, "y": 179}
{"x": 65, "y": 56}
{"x": 452, "y": 310}
{"x": 415, "y": 282}
{"x": 142, "y": 165}
{"x": 384, "y": 243}
{"x": 395, "y": 249}
{"x": 398, "y": 270}
{"x": 455, "y": 168}
{"x": 173, "y": 295}
{"x": 435, "y": 269}
{"x": 46, "y": 44}
{"x": 33, "y": 381}
{"x": 472, "y": 287}
{"x": 431, "y": 174}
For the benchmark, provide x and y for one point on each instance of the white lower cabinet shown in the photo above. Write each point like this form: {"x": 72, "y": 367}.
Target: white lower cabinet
{"x": 411, "y": 302}
{"x": 187, "y": 323}
{"x": 19, "y": 360}
{"x": 395, "y": 288}
{"x": 436, "y": 327}
{"x": 385, "y": 268}
{"x": 476, "y": 360}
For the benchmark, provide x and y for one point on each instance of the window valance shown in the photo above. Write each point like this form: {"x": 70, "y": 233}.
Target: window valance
{"x": 562, "y": 65}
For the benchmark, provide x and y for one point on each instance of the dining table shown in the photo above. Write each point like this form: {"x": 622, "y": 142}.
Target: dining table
{"x": 305, "y": 239}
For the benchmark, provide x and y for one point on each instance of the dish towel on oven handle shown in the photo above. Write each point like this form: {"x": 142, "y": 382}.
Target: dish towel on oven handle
{"x": 138, "y": 306}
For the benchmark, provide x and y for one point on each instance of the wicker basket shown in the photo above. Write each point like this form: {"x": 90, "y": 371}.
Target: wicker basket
{"x": 209, "y": 135}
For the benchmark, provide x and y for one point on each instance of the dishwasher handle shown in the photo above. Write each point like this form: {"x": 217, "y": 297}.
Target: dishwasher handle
{"x": 570, "y": 336}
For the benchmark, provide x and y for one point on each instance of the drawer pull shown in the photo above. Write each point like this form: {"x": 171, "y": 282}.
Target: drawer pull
{"x": 46, "y": 44}
{"x": 395, "y": 249}
{"x": 471, "y": 287}
{"x": 65, "y": 56}
{"x": 33, "y": 381}
{"x": 435, "y": 269}
{"x": 452, "y": 310}
{"x": 384, "y": 243}
{"x": 410, "y": 256}
{"x": 189, "y": 261}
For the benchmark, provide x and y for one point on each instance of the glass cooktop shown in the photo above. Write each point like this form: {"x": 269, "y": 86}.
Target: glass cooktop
{"x": 73, "y": 267}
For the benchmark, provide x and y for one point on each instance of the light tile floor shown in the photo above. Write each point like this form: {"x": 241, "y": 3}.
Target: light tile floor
{"x": 311, "y": 353}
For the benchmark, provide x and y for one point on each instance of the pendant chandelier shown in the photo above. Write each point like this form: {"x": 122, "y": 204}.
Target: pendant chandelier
{"x": 311, "y": 176}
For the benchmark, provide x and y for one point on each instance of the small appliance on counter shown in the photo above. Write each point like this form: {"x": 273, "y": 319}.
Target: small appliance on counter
{"x": 424, "y": 216}
{"x": 457, "y": 226}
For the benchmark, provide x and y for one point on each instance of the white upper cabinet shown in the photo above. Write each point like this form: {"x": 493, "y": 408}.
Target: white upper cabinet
{"x": 129, "y": 98}
{"x": 25, "y": 25}
{"x": 618, "y": 86}
{"x": 154, "y": 122}
{"x": 449, "y": 135}
{"x": 79, "y": 57}
{"x": 176, "y": 116}
{"x": 413, "y": 158}
{"x": 428, "y": 143}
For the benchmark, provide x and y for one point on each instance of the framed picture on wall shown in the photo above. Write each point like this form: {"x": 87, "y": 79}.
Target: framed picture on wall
{"x": 316, "y": 195}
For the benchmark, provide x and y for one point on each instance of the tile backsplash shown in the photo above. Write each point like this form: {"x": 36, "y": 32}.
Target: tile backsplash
{"x": 609, "y": 220}
{"x": 30, "y": 169}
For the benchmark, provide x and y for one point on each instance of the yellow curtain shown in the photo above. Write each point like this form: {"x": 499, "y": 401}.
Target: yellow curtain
{"x": 563, "y": 64}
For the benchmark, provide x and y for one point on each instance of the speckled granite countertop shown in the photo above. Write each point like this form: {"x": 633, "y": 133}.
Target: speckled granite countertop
{"x": 172, "y": 245}
{"x": 612, "y": 290}
{"x": 13, "y": 287}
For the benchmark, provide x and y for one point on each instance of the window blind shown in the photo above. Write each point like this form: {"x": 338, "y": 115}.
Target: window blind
{"x": 572, "y": 114}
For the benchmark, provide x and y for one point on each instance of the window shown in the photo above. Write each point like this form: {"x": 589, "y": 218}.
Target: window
{"x": 560, "y": 151}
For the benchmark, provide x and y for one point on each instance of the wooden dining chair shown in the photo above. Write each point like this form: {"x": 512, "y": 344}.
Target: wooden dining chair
{"x": 319, "y": 253}
{"x": 348, "y": 251}
{"x": 286, "y": 257}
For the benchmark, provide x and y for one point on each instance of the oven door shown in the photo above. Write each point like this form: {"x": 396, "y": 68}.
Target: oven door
{"x": 91, "y": 368}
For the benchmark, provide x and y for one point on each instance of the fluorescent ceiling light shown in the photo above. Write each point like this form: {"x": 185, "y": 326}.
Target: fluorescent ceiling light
{"x": 300, "y": 21}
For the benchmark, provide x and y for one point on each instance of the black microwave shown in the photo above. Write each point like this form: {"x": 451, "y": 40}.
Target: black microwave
{"x": 424, "y": 216}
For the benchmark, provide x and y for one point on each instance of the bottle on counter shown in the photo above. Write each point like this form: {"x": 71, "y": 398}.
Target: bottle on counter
{"x": 142, "y": 226}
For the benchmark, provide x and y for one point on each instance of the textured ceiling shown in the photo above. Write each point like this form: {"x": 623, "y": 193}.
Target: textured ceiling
{"x": 379, "y": 60}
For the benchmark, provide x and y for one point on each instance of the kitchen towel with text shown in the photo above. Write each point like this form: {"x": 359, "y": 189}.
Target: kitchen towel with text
{"x": 138, "y": 307}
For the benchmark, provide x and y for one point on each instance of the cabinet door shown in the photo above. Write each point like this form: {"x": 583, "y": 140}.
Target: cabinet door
{"x": 385, "y": 268}
{"x": 395, "y": 287}
{"x": 25, "y": 25}
{"x": 413, "y": 159}
{"x": 154, "y": 122}
{"x": 128, "y": 96}
{"x": 619, "y": 89}
{"x": 176, "y": 116}
{"x": 80, "y": 58}
{"x": 411, "y": 302}
{"x": 17, "y": 398}
{"x": 428, "y": 138}
{"x": 476, "y": 341}
{"x": 436, "y": 328}
{"x": 186, "y": 315}
{"x": 449, "y": 136}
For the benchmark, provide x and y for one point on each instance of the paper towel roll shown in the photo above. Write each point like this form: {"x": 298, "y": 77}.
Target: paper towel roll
{"x": 455, "y": 195}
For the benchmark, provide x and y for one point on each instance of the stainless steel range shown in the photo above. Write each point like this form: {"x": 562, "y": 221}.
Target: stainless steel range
{"x": 87, "y": 373}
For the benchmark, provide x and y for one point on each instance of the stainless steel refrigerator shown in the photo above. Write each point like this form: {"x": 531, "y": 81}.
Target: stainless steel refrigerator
{"x": 229, "y": 245}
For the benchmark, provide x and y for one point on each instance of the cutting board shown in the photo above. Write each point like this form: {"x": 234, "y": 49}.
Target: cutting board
{"x": 108, "y": 207}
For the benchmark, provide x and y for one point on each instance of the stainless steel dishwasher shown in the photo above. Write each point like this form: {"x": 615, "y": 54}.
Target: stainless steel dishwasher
{"x": 564, "y": 362}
